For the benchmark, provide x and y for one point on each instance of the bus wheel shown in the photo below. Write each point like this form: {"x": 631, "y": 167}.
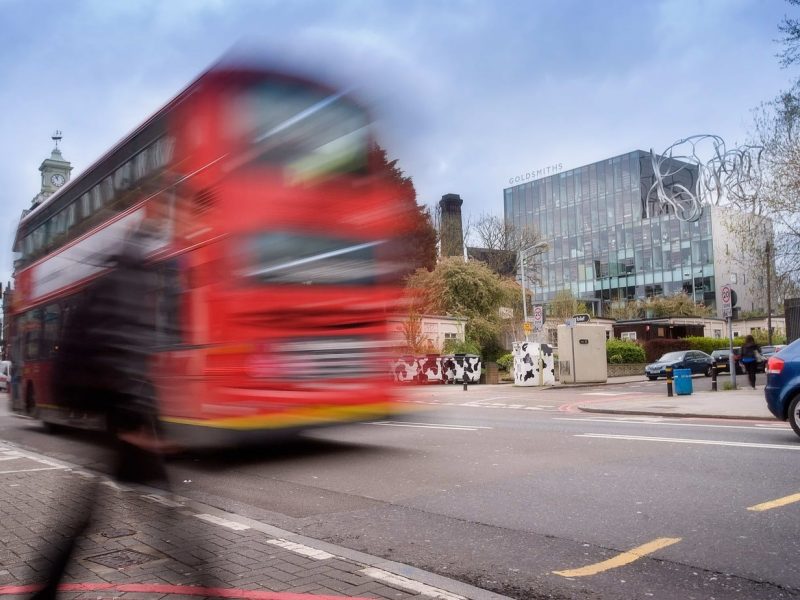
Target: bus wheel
{"x": 30, "y": 401}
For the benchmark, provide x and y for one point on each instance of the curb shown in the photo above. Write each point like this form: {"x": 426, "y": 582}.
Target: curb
{"x": 567, "y": 386}
{"x": 445, "y": 584}
{"x": 683, "y": 415}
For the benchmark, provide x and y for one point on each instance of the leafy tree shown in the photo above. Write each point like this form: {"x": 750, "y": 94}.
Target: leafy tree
{"x": 418, "y": 245}
{"x": 471, "y": 290}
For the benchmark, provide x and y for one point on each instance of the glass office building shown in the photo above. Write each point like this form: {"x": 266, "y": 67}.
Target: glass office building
{"x": 608, "y": 241}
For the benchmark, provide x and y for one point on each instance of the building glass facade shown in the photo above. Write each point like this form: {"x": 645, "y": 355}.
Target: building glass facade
{"x": 608, "y": 241}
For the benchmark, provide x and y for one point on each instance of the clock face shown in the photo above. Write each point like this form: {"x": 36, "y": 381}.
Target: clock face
{"x": 57, "y": 180}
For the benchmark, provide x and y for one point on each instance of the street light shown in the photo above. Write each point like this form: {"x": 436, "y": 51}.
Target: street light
{"x": 537, "y": 246}
{"x": 769, "y": 295}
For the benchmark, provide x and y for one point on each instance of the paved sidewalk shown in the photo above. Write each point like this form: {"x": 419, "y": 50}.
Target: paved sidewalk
{"x": 732, "y": 404}
{"x": 146, "y": 544}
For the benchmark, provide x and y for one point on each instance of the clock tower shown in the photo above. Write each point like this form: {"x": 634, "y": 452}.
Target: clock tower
{"x": 55, "y": 172}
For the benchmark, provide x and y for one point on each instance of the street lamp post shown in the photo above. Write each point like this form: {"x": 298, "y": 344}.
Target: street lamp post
{"x": 524, "y": 299}
{"x": 521, "y": 258}
{"x": 769, "y": 296}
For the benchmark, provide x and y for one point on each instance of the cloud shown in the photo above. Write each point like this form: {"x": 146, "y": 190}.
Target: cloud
{"x": 467, "y": 93}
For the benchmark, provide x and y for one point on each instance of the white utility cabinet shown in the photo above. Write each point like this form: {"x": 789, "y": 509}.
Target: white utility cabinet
{"x": 582, "y": 353}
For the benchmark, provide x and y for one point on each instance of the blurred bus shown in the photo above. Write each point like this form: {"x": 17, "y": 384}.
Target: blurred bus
{"x": 276, "y": 254}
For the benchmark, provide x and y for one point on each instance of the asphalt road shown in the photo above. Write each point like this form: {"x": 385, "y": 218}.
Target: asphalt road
{"x": 518, "y": 493}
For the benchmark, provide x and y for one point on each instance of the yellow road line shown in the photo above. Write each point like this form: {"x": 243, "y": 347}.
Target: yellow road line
{"x": 621, "y": 559}
{"x": 775, "y": 503}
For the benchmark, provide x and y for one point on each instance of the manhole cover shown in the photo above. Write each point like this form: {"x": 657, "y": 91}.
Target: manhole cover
{"x": 117, "y": 532}
{"x": 119, "y": 559}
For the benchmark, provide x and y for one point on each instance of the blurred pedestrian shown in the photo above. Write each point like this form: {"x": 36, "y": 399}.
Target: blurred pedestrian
{"x": 751, "y": 355}
{"x": 101, "y": 367}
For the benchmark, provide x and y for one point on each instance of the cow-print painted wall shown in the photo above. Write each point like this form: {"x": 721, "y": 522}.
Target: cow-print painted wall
{"x": 434, "y": 368}
{"x": 534, "y": 364}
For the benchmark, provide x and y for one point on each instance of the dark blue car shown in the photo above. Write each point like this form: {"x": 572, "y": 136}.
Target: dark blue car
{"x": 783, "y": 385}
{"x": 696, "y": 361}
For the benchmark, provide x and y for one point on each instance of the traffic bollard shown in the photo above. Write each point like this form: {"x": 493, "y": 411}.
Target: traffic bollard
{"x": 714, "y": 378}
{"x": 669, "y": 382}
{"x": 464, "y": 380}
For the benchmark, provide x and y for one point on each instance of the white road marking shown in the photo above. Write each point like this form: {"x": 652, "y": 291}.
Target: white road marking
{"x": 604, "y": 393}
{"x": 429, "y": 425}
{"x": 31, "y": 470}
{"x": 301, "y": 549}
{"x": 161, "y": 500}
{"x": 115, "y": 486}
{"x": 224, "y": 522}
{"x": 12, "y": 457}
{"x": 410, "y": 584}
{"x": 673, "y": 423}
{"x": 642, "y": 438}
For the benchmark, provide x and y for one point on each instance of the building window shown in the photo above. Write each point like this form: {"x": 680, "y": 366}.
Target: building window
{"x": 628, "y": 335}
{"x": 450, "y": 336}
{"x": 734, "y": 278}
{"x": 718, "y": 333}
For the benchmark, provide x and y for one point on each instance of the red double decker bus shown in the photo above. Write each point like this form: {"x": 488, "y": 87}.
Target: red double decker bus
{"x": 275, "y": 254}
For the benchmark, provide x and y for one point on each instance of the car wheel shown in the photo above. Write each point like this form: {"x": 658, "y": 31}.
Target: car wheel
{"x": 794, "y": 414}
{"x": 707, "y": 372}
{"x": 652, "y": 377}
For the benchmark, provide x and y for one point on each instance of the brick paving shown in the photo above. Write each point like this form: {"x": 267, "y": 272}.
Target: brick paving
{"x": 136, "y": 539}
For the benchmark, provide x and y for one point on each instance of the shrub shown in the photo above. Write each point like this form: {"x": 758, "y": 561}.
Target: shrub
{"x": 459, "y": 347}
{"x": 628, "y": 351}
{"x": 506, "y": 362}
{"x": 616, "y": 359}
{"x": 707, "y": 345}
{"x": 654, "y": 349}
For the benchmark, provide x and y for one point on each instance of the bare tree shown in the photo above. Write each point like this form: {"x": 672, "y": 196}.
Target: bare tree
{"x": 500, "y": 242}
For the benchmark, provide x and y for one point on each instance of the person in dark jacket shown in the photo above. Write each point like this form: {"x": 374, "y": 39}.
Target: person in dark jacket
{"x": 101, "y": 366}
{"x": 750, "y": 355}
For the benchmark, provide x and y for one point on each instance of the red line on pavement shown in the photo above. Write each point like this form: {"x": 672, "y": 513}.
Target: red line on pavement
{"x": 159, "y": 588}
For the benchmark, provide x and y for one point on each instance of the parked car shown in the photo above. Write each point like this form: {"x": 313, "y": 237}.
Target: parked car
{"x": 782, "y": 391}
{"x": 698, "y": 362}
{"x": 723, "y": 364}
{"x": 768, "y": 351}
{"x": 5, "y": 374}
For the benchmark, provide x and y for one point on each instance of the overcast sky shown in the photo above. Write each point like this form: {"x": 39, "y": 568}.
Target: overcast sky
{"x": 470, "y": 92}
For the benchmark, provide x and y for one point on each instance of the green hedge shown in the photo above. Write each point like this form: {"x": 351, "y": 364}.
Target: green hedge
{"x": 506, "y": 362}
{"x": 708, "y": 345}
{"x": 624, "y": 351}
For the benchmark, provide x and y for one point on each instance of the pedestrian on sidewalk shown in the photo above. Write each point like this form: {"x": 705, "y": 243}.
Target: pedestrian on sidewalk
{"x": 101, "y": 367}
{"x": 751, "y": 352}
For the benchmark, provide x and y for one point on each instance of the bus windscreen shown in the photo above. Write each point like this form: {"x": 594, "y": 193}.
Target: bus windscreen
{"x": 307, "y": 132}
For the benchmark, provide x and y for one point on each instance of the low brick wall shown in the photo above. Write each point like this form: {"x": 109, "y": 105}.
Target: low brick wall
{"x": 626, "y": 370}
{"x": 614, "y": 370}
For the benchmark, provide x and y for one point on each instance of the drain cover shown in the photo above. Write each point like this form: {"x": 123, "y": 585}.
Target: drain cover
{"x": 119, "y": 559}
{"x": 117, "y": 532}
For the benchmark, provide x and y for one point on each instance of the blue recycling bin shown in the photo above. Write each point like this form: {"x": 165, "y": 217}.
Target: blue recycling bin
{"x": 683, "y": 381}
